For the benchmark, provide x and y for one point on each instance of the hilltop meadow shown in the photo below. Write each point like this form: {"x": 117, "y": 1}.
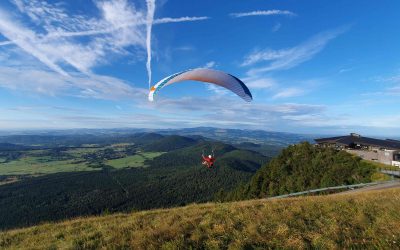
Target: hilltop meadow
{"x": 362, "y": 220}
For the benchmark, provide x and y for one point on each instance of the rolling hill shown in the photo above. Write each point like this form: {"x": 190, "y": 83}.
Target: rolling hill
{"x": 170, "y": 143}
{"x": 353, "y": 221}
{"x": 302, "y": 167}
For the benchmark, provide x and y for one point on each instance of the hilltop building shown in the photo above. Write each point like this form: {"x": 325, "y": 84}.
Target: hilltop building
{"x": 383, "y": 151}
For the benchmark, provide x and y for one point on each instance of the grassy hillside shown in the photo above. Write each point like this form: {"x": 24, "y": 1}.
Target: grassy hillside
{"x": 368, "y": 220}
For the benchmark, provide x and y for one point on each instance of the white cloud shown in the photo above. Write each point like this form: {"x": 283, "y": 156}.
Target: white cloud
{"x": 394, "y": 90}
{"x": 218, "y": 91}
{"x": 276, "y": 27}
{"x": 259, "y": 82}
{"x": 288, "y": 58}
{"x": 25, "y": 39}
{"x": 50, "y": 38}
{"x": 185, "y": 48}
{"x": 388, "y": 86}
{"x": 6, "y": 43}
{"x": 344, "y": 70}
{"x": 264, "y": 13}
{"x": 108, "y": 30}
{"x": 79, "y": 85}
{"x": 54, "y": 50}
{"x": 288, "y": 92}
{"x": 210, "y": 64}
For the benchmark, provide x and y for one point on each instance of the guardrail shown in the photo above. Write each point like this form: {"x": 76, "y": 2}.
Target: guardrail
{"x": 391, "y": 172}
{"x": 330, "y": 188}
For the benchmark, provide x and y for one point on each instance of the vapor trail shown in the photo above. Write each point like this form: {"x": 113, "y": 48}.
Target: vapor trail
{"x": 151, "y": 6}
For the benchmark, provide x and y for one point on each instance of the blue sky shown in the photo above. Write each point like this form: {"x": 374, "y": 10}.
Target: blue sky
{"x": 315, "y": 66}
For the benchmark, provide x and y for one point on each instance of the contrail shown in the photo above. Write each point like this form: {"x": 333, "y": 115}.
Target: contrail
{"x": 151, "y": 6}
{"x": 263, "y": 13}
{"x": 180, "y": 19}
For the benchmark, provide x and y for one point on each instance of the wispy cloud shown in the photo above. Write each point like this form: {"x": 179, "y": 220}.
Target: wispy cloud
{"x": 185, "y": 48}
{"x": 288, "y": 92}
{"x": 264, "y": 13}
{"x": 224, "y": 111}
{"x": 276, "y": 27}
{"x": 344, "y": 70}
{"x": 210, "y": 64}
{"x": 259, "y": 82}
{"x": 25, "y": 39}
{"x": 6, "y": 43}
{"x": 51, "y": 38}
{"x": 288, "y": 58}
{"x": 108, "y": 30}
{"x": 79, "y": 85}
{"x": 389, "y": 86}
{"x": 48, "y": 33}
{"x": 55, "y": 51}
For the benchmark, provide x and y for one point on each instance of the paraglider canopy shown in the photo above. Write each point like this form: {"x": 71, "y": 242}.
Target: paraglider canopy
{"x": 212, "y": 76}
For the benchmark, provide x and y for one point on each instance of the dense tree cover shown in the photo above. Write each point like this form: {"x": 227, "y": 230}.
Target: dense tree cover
{"x": 265, "y": 149}
{"x": 11, "y": 147}
{"x": 170, "y": 143}
{"x": 303, "y": 167}
{"x": 175, "y": 178}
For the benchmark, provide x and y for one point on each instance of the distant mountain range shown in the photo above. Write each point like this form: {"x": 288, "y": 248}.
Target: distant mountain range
{"x": 232, "y": 136}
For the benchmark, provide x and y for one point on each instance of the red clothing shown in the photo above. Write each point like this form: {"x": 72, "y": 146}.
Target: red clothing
{"x": 208, "y": 161}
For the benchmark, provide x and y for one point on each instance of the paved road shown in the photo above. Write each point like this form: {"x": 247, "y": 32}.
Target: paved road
{"x": 391, "y": 172}
{"x": 392, "y": 184}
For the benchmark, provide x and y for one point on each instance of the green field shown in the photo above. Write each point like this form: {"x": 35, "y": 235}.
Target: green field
{"x": 133, "y": 161}
{"x": 32, "y": 165}
{"x": 78, "y": 152}
{"x": 39, "y": 162}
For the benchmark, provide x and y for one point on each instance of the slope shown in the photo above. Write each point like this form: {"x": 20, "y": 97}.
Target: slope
{"x": 324, "y": 222}
{"x": 170, "y": 143}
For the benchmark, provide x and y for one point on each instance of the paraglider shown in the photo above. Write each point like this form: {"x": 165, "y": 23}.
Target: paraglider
{"x": 209, "y": 160}
{"x": 216, "y": 77}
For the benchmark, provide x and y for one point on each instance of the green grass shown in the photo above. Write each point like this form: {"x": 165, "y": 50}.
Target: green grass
{"x": 34, "y": 162}
{"x": 133, "y": 161}
{"x": 368, "y": 220}
{"x": 78, "y": 152}
{"x": 40, "y": 165}
{"x": 31, "y": 164}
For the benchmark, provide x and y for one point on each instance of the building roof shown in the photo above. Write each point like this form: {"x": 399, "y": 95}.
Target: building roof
{"x": 357, "y": 139}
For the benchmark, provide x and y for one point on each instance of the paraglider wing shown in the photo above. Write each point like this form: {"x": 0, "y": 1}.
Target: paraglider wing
{"x": 216, "y": 77}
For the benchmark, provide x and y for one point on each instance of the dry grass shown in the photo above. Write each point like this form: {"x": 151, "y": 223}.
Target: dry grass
{"x": 367, "y": 220}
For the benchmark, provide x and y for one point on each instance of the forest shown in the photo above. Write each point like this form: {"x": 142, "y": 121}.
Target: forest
{"x": 303, "y": 167}
{"x": 121, "y": 177}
